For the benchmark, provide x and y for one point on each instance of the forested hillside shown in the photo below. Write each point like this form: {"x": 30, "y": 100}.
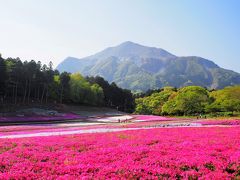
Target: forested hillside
{"x": 31, "y": 82}
{"x": 190, "y": 100}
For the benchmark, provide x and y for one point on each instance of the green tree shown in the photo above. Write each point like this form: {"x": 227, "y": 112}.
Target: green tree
{"x": 189, "y": 100}
{"x": 3, "y": 75}
{"x": 97, "y": 95}
{"x": 81, "y": 91}
{"x": 153, "y": 104}
{"x": 225, "y": 100}
{"x": 114, "y": 97}
{"x": 64, "y": 83}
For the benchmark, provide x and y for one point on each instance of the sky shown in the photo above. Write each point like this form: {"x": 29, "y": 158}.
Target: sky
{"x": 51, "y": 30}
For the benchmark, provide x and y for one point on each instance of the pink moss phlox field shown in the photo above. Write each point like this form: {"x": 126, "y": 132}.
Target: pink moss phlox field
{"x": 67, "y": 116}
{"x": 220, "y": 122}
{"x": 152, "y": 118}
{"x": 53, "y": 129}
{"x": 29, "y": 129}
{"x": 173, "y": 153}
{"x": 143, "y": 124}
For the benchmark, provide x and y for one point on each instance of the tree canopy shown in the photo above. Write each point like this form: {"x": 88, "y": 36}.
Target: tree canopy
{"x": 227, "y": 99}
{"x": 31, "y": 82}
{"x": 190, "y": 100}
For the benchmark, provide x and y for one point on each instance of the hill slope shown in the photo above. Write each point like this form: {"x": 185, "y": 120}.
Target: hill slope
{"x": 138, "y": 67}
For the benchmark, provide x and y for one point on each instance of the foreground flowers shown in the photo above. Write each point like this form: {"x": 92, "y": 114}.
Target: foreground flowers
{"x": 176, "y": 153}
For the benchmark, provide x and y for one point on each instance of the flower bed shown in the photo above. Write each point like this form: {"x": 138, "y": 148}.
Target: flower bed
{"x": 67, "y": 116}
{"x": 174, "y": 153}
{"x": 144, "y": 118}
{"x": 43, "y": 129}
{"x": 220, "y": 122}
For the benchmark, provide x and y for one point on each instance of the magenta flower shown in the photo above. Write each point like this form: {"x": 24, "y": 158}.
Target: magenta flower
{"x": 171, "y": 153}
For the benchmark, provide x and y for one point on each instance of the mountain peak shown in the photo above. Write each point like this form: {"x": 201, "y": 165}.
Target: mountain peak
{"x": 138, "y": 67}
{"x": 130, "y": 49}
{"x": 129, "y": 43}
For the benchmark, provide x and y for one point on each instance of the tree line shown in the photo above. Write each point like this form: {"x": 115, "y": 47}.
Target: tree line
{"x": 31, "y": 82}
{"x": 190, "y": 100}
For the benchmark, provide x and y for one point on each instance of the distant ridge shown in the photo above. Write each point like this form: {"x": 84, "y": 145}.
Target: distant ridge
{"x": 139, "y": 68}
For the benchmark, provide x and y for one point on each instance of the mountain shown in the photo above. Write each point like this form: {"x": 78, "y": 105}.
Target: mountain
{"x": 140, "y": 68}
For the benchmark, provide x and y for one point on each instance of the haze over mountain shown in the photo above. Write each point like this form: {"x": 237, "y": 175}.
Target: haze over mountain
{"x": 139, "y": 68}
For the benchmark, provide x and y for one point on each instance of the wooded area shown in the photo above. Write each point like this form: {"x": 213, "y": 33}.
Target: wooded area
{"x": 190, "y": 100}
{"x": 31, "y": 82}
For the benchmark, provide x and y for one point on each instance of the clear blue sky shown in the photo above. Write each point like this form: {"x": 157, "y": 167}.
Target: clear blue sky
{"x": 54, "y": 29}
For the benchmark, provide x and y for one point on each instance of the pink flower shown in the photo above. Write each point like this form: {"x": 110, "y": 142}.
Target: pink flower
{"x": 171, "y": 153}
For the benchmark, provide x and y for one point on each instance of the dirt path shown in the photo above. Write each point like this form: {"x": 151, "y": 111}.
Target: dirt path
{"x": 94, "y": 130}
{"x": 91, "y": 125}
{"x": 58, "y": 133}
